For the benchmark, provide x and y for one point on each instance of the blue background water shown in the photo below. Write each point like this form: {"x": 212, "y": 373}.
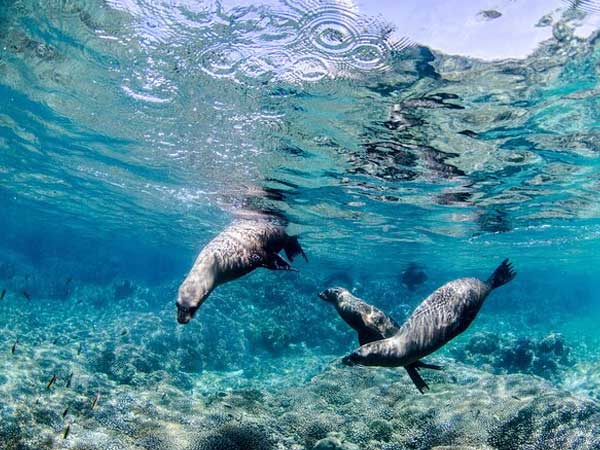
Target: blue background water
{"x": 131, "y": 132}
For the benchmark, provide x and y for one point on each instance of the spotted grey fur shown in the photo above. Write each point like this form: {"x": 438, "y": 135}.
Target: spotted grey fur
{"x": 442, "y": 316}
{"x": 372, "y": 325}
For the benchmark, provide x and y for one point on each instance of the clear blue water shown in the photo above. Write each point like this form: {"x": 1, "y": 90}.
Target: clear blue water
{"x": 131, "y": 132}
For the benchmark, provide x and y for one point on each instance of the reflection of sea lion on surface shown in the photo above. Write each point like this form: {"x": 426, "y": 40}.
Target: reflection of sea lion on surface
{"x": 438, "y": 319}
{"x": 371, "y": 324}
{"x": 245, "y": 245}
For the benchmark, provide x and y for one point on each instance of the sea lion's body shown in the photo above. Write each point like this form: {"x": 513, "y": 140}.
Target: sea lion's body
{"x": 439, "y": 318}
{"x": 442, "y": 316}
{"x": 372, "y": 325}
{"x": 239, "y": 249}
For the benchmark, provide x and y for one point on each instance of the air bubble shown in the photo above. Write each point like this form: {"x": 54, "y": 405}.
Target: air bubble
{"x": 221, "y": 61}
{"x": 370, "y": 55}
{"x": 310, "y": 68}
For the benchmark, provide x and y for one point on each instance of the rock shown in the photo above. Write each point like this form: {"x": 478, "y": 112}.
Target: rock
{"x": 548, "y": 357}
{"x": 334, "y": 442}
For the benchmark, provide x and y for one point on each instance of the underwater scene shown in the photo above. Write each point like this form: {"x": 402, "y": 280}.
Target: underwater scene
{"x": 299, "y": 224}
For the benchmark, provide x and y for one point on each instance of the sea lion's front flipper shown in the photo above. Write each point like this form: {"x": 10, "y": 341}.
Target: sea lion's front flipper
{"x": 416, "y": 378}
{"x": 422, "y": 365}
{"x": 273, "y": 261}
{"x": 366, "y": 336}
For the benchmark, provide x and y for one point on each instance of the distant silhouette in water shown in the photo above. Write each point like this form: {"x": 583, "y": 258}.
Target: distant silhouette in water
{"x": 371, "y": 324}
{"x": 438, "y": 319}
{"x": 413, "y": 276}
{"x": 247, "y": 244}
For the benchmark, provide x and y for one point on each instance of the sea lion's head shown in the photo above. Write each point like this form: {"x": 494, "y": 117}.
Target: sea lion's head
{"x": 191, "y": 295}
{"x": 366, "y": 355}
{"x": 332, "y": 295}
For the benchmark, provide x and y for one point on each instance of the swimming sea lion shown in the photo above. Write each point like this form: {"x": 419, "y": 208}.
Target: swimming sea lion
{"x": 413, "y": 276}
{"x": 242, "y": 247}
{"x": 438, "y": 319}
{"x": 371, "y": 324}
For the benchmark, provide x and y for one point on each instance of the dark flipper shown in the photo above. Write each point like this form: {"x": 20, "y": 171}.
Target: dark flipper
{"x": 502, "y": 275}
{"x": 292, "y": 248}
{"x": 275, "y": 262}
{"x": 422, "y": 365}
{"x": 365, "y": 336}
{"x": 416, "y": 378}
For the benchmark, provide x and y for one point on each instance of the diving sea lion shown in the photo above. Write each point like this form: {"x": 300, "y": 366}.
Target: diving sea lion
{"x": 371, "y": 324}
{"x": 438, "y": 319}
{"x": 242, "y": 247}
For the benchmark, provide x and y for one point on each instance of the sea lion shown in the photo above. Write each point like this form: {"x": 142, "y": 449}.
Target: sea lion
{"x": 371, "y": 324}
{"x": 438, "y": 319}
{"x": 239, "y": 249}
{"x": 413, "y": 276}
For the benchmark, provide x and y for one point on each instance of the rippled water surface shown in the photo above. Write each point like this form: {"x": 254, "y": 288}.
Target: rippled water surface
{"x": 446, "y": 135}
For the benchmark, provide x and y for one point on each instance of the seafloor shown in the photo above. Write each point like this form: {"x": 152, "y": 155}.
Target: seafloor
{"x": 265, "y": 374}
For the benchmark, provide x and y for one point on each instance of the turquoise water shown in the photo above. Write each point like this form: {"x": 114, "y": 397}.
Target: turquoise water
{"x": 437, "y": 134}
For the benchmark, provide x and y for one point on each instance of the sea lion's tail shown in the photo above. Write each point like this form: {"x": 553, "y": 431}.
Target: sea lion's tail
{"x": 502, "y": 275}
{"x": 292, "y": 248}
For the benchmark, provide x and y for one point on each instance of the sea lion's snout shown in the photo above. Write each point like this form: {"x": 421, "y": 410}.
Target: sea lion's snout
{"x": 185, "y": 314}
{"x": 324, "y": 295}
{"x": 365, "y": 355}
{"x": 351, "y": 359}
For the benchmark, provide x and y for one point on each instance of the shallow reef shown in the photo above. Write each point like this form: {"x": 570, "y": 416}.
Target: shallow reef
{"x": 340, "y": 408}
{"x": 129, "y": 378}
{"x": 548, "y": 357}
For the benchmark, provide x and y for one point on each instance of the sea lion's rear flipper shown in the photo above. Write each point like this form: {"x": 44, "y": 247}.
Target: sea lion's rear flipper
{"x": 416, "y": 378}
{"x": 292, "y": 248}
{"x": 502, "y": 275}
{"x": 422, "y": 365}
{"x": 273, "y": 261}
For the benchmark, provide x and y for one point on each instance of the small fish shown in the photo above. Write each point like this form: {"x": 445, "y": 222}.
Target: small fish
{"x": 95, "y": 400}
{"x": 2, "y": 294}
{"x": 68, "y": 383}
{"x": 123, "y": 333}
{"x": 489, "y": 14}
{"x": 26, "y": 295}
{"x": 163, "y": 396}
{"x": 51, "y": 382}
{"x": 67, "y": 430}
{"x": 65, "y": 412}
{"x": 79, "y": 350}
{"x": 14, "y": 347}
{"x": 54, "y": 341}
